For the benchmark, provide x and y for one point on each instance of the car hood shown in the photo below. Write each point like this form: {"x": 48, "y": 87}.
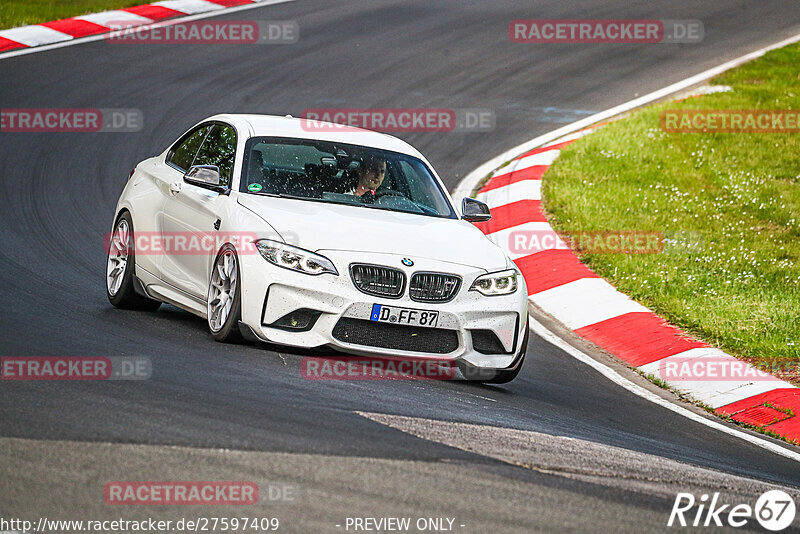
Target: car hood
{"x": 319, "y": 226}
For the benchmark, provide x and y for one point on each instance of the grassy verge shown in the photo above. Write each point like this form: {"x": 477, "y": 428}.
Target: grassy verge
{"x": 15, "y": 13}
{"x": 728, "y": 205}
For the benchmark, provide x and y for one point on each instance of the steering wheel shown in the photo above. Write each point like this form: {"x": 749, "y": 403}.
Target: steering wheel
{"x": 379, "y": 193}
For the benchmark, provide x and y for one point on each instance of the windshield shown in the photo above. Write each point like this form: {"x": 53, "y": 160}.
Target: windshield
{"x": 325, "y": 171}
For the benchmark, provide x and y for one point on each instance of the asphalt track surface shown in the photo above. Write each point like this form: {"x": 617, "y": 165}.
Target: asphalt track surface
{"x": 212, "y": 411}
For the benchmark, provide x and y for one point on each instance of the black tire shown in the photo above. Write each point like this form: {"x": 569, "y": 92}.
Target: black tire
{"x": 496, "y": 376}
{"x": 125, "y": 296}
{"x": 229, "y": 332}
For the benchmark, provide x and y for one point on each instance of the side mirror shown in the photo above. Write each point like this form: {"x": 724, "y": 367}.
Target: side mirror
{"x": 205, "y": 176}
{"x": 474, "y": 210}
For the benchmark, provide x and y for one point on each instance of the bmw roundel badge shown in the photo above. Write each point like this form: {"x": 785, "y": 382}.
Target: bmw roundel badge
{"x": 407, "y": 262}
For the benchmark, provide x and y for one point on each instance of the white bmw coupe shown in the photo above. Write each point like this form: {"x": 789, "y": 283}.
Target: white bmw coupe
{"x": 314, "y": 234}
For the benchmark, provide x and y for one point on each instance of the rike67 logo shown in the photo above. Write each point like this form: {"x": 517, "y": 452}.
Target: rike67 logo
{"x": 774, "y": 510}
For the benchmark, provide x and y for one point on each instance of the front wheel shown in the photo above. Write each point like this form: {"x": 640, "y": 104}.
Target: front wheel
{"x": 224, "y": 308}
{"x": 120, "y": 267}
{"x": 496, "y": 376}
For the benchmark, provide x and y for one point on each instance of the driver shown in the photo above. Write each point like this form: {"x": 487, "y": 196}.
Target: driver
{"x": 370, "y": 175}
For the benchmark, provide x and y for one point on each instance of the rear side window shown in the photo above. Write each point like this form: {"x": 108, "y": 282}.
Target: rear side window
{"x": 183, "y": 154}
{"x": 219, "y": 149}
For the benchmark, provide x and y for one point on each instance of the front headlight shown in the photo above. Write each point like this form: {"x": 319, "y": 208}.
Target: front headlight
{"x": 294, "y": 258}
{"x": 493, "y": 284}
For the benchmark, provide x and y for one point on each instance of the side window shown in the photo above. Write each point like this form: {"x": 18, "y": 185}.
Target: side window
{"x": 219, "y": 149}
{"x": 183, "y": 154}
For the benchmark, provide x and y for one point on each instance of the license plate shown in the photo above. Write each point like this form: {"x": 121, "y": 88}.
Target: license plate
{"x": 407, "y": 316}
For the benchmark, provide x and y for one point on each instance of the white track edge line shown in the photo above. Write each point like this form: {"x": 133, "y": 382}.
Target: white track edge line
{"x": 542, "y": 331}
{"x": 159, "y": 23}
{"x": 469, "y": 182}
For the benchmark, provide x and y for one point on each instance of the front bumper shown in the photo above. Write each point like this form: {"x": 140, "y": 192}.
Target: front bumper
{"x": 269, "y": 293}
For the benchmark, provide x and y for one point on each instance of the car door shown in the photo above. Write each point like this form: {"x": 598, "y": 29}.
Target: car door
{"x": 170, "y": 172}
{"x": 150, "y": 189}
{"x": 193, "y": 214}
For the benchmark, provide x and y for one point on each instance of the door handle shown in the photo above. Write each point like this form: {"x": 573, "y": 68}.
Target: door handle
{"x": 174, "y": 188}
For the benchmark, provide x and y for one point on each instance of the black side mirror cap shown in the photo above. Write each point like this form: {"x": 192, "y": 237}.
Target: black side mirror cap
{"x": 473, "y": 210}
{"x": 205, "y": 176}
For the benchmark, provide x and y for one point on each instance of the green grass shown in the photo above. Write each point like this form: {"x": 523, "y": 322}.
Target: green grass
{"x": 787, "y": 411}
{"x": 15, "y": 13}
{"x": 728, "y": 205}
{"x": 657, "y": 381}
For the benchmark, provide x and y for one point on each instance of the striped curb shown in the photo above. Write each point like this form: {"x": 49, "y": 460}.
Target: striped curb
{"x": 573, "y": 294}
{"x": 98, "y": 23}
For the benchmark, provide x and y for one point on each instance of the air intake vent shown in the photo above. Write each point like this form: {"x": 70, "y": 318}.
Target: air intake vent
{"x": 395, "y": 336}
{"x": 378, "y": 280}
{"x": 434, "y": 287}
{"x": 487, "y": 342}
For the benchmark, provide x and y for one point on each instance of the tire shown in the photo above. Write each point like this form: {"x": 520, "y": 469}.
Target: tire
{"x": 496, "y": 376}
{"x": 224, "y": 300}
{"x": 121, "y": 269}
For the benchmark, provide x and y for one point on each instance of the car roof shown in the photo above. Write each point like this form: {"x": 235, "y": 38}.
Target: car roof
{"x": 288, "y": 126}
